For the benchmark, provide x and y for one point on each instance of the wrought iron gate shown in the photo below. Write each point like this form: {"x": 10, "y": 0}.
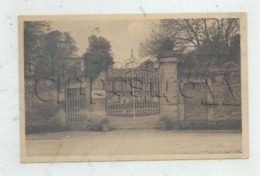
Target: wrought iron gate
{"x": 75, "y": 109}
{"x": 133, "y": 97}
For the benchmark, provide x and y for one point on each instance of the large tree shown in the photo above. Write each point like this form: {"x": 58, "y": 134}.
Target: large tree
{"x": 203, "y": 43}
{"x": 57, "y": 46}
{"x": 44, "y": 54}
{"x": 98, "y": 56}
{"x": 45, "y": 50}
{"x": 34, "y": 36}
{"x": 210, "y": 35}
{"x": 60, "y": 43}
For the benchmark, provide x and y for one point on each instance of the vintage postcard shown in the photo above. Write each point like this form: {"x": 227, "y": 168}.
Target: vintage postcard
{"x": 133, "y": 87}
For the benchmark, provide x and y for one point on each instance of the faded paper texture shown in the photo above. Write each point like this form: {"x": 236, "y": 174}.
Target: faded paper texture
{"x": 133, "y": 87}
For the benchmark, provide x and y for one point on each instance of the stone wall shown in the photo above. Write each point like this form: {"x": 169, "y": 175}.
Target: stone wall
{"x": 212, "y": 105}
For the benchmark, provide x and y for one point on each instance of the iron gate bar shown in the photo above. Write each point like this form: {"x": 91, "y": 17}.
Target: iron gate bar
{"x": 146, "y": 103}
{"x": 75, "y": 108}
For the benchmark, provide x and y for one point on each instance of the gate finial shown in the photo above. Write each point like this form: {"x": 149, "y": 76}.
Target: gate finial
{"x": 132, "y": 54}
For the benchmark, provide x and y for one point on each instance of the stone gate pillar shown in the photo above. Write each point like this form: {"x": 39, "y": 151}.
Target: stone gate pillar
{"x": 169, "y": 91}
{"x": 98, "y": 99}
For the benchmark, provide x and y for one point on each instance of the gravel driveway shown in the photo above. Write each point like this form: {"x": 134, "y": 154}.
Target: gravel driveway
{"x": 133, "y": 141}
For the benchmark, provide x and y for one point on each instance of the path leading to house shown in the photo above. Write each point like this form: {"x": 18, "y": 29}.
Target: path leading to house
{"x": 133, "y": 141}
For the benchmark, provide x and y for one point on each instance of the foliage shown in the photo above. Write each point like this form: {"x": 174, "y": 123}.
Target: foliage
{"x": 57, "y": 46}
{"x": 43, "y": 125}
{"x": 150, "y": 63}
{"x": 45, "y": 49}
{"x": 203, "y": 36}
{"x": 98, "y": 56}
{"x": 203, "y": 44}
{"x": 44, "y": 53}
{"x": 60, "y": 43}
{"x": 34, "y": 35}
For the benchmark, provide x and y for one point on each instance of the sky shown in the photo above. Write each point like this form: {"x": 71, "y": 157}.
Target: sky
{"x": 122, "y": 34}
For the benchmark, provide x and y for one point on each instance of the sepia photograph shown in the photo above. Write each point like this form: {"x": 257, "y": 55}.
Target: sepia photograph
{"x": 133, "y": 87}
